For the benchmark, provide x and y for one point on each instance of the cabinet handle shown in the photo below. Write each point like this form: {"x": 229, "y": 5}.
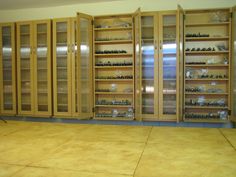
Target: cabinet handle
{"x": 155, "y": 44}
{"x": 160, "y": 45}
{"x": 68, "y": 49}
{"x": 73, "y": 48}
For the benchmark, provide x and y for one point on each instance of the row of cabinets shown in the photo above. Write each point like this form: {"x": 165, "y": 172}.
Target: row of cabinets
{"x": 39, "y": 67}
{"x": 142, "y": 66}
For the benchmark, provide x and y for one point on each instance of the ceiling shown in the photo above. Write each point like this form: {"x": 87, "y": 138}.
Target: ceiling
{"x": 23, "y": 4}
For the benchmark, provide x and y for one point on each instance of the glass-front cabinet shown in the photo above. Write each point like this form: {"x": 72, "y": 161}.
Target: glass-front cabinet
{"x": 7, "y": 69}
{"x": 62, "y": 67}
{"x": 168, "y": 66}
{"x": 33, "y": 68}
{"x": 160, "y": 51}
{"x": 149, "y": 65}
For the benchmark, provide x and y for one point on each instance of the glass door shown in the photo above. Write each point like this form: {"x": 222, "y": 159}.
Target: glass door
{"x": 84, "y": 71}
{"x": 149, "y": 65}
{"x": 42, "y": 67}
{"x": 61, "y": 69}
{"x": 74, "y": 67}
{"x": 25, "y": 65}
{"x": 168, "y": 62}
{"x": 7, "y": 68}
{"x": 233, "y": 117}
{"x": 138, "y": 64}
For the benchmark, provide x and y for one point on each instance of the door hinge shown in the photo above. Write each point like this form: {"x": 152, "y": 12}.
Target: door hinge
{"x": 184, "y": 16}
{"x": 229, "y": 112}
{"x": 93, "y": 109}
{"x": 231, "y": 14}
{"x": 133, "y": 110}
{"x": 92, "y": 22}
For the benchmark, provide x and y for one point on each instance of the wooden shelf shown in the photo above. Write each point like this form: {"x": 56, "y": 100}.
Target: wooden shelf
{"x": 207, "y": 79}
{"x": 113, "y": 29}
{"x": 192, "y": 39}
{"x": 207, "y": 65}
{"x": 147, "y": 26}
{"x": 205, "y": 120}
{"x": 151, "y": 79}
{"x": 114, "y": 42}
{"x": 148, "y": 66}
{"x": 113, "y": 80}
{"x": 205, "y": 107}
{"x": 148, "y": 93}
{"x": 114, "y": 55}
{"x": 169, "y": 93}
{"x": 169, "y": 25}
{"x": 112, "y": 67}
{"x": 207, "y": 24}
{"x": 204, "y": 93}
{"x": 111, "y": 106}
{"x": 114, "y": 118}
{"x": 114, "y": 93}
{"x": 206, "y": 52}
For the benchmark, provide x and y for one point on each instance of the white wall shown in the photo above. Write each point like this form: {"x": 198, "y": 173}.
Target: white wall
{"x": 102, "y": 8}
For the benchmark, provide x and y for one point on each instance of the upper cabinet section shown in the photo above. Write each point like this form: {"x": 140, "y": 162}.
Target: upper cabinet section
{"x": 7, "y": 69}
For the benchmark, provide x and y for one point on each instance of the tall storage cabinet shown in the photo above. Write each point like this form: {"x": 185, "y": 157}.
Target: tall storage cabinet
{"x": 160, "y": 55}
{"x": 72, "y": 63}
{"x": 114, "y": 67}
{"x": 63, "y": 60}
{"x": 207, "y": 65}
{"x": 34, "y": 68}
{"x": 7, "y": 69}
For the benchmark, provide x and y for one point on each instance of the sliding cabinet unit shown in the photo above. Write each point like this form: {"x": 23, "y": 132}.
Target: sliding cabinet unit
{"x": 34, "y": 68}
{"x": 113, "y": 67}
{"x": 160, "y": 51}
{"x": 7, "y": 69}
{"x": 207, "y": 65}
{"x": 63, "y": 60}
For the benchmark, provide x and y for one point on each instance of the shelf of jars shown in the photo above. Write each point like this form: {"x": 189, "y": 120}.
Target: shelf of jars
{"x": 113, "y": 67}
{"x": 207, "y": 65}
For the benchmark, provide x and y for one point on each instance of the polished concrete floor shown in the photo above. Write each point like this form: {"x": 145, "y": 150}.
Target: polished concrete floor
{"x": 73, "y": 150}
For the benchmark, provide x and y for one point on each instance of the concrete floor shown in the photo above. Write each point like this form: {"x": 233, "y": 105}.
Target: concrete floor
{"x": 74, "y": 150}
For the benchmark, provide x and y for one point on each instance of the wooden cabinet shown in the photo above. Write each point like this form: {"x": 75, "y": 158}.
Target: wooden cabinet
{"x": 7, "y": 69}
{"x": 63, "y": 57}
{"x": 113, "y": 67}
{"x": 160, "y": 65}
{"x": 34, "y": 68}
{"x": 72, "y": 64}
{"x": 207, "y": 65}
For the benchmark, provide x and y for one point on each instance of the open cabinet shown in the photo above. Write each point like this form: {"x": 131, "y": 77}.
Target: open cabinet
{"x": 161, "y": 34}
{"x": 207, "y": 65}
{"x": 34, "y": 68}
{"x": 113, "y": 63}
{"x": 7, "y": 69}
